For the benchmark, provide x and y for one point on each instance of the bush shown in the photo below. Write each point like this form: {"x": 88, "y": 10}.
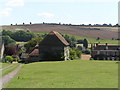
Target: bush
{"x": 86, "y": 51}
{"x": 72, "y": 54}
{"x": 15, "y": 58}
{"x": 75, "y": 53}
{"x": 30, "y": 44}
{"x": 91, "y": 58}
{"x": 9, "y": 59}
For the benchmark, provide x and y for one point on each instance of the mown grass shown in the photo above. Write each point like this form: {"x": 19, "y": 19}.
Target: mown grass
{"x": 67, "y": 74}
{"x": 10, "y": 69}
{"x": 2, "y": 65}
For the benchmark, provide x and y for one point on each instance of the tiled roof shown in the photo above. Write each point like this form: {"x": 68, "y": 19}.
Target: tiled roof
{"x": 54, "y": 39}
{"x": 35, "y": 52}
{"x": 110, "y": 47}
{"x": 60, "y": 37}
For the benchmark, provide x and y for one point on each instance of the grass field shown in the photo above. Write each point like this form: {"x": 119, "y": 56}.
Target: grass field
{"x": 10, "y": 69}
{"x": 67, "y": 74}
{"x": 2, "y": 65}
{"x": 93, "y": 40}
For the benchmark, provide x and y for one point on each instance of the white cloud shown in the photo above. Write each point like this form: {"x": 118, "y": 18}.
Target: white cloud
{"x": 46, "y": 15}
{"x": 5, "y": 12}
{"x": 14, "y": 3}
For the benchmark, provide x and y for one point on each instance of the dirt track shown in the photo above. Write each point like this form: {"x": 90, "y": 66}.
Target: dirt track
{"x": 5, "y": 79}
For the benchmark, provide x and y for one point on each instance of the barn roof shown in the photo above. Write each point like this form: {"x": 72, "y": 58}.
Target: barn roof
{"x": 35, "y": 51}
{"x": 54, "y": 38}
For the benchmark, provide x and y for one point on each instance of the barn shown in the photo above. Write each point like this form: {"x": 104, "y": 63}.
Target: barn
{"x": 54, "y": 47}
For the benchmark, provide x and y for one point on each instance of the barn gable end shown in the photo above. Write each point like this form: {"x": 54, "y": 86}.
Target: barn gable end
{"x": 54, "y": 47}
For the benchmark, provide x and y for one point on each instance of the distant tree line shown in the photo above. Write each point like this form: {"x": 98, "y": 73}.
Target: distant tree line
{"x": 95, "y": 25}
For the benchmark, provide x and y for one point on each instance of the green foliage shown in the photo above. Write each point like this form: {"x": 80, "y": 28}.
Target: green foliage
{"x": 75, "y": 53}
{"x": 32, "y": 43}
{"x": 85, "y": 43}
{"x": 9, "y": 59}
{"x": 7, "y": 32}
{"x": 22, "y": 36}
{"x": 8, "y": 41}
{"x": 71, "y": 40}
{"x": 91, "y": 58}
{"x": 87, "y": 51}
{"x": 19, "y": 35}
{"x": 80, "y": 48}
{"x": 15, "y": 58}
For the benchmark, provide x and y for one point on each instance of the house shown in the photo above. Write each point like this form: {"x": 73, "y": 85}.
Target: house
{"x": 54, "y": 47}
{"x": 105, "y": 52}
{"x": 34, "y": 54}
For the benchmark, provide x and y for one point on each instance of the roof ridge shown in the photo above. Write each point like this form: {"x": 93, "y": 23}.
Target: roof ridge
{"x": 60, "y": 37}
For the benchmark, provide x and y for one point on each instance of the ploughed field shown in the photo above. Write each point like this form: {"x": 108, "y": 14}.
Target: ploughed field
{"x": 93, "y": 32}
{"x": 67, "y": 74}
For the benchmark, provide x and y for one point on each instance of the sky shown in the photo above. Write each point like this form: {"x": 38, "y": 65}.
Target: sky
{"x": 55, "y": 11}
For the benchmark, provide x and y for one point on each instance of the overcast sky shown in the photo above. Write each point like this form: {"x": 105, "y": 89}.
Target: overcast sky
{"x": 55, "y": 11}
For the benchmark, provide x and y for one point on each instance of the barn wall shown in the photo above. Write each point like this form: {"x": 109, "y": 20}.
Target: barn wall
{"x": 51, "y": 53}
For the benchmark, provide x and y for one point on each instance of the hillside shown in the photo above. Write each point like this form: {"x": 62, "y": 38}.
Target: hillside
{"x": 93, "y": 32}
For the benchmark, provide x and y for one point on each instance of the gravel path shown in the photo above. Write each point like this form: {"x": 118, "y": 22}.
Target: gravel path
{"x": 5, "y": 79}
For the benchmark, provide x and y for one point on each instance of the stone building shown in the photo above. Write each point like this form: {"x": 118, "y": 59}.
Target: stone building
{"x": 105, "y": 52}
{"x": 54, "y": 47}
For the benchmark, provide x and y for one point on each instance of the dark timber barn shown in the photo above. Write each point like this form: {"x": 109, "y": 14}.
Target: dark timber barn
{"x": 54, "y": 47}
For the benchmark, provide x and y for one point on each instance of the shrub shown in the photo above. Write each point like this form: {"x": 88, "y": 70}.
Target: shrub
{"x": 86, "y": 51}
{"x": 91, "y": 58}
{"x": 72, "y": 54}
{"x": 75, "y": 53}
{"x": 15, "y": 58}
{"x": 9, "y": 59}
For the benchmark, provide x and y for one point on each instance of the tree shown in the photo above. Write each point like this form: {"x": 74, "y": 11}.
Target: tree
{"x": 7, "y": 32}
{"x": 22, "y": 36}
{"x": 8, "y": 41}
{"x": 85, "y": 43}
{"x": 30, "y": 44}
{"x": 98, "y": 38}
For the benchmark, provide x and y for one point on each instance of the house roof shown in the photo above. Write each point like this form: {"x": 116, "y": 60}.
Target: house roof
{"x": 35, "y": 52}
{"x": 54, "y": 39}
{"x": 110, "y": 47}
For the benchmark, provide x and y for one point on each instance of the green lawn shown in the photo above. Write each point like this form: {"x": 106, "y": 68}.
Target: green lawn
{"x": 67, "y": 74}
{"x": 10, "y": 69}
{"x": 2, "y": 65}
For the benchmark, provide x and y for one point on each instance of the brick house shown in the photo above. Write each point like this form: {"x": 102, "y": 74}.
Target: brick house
{"x": 105, "y": 52}
{"x": 54, "y": 47}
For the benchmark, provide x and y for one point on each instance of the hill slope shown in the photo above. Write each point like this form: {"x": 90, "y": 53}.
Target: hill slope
{"x": 93, "y": 32}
